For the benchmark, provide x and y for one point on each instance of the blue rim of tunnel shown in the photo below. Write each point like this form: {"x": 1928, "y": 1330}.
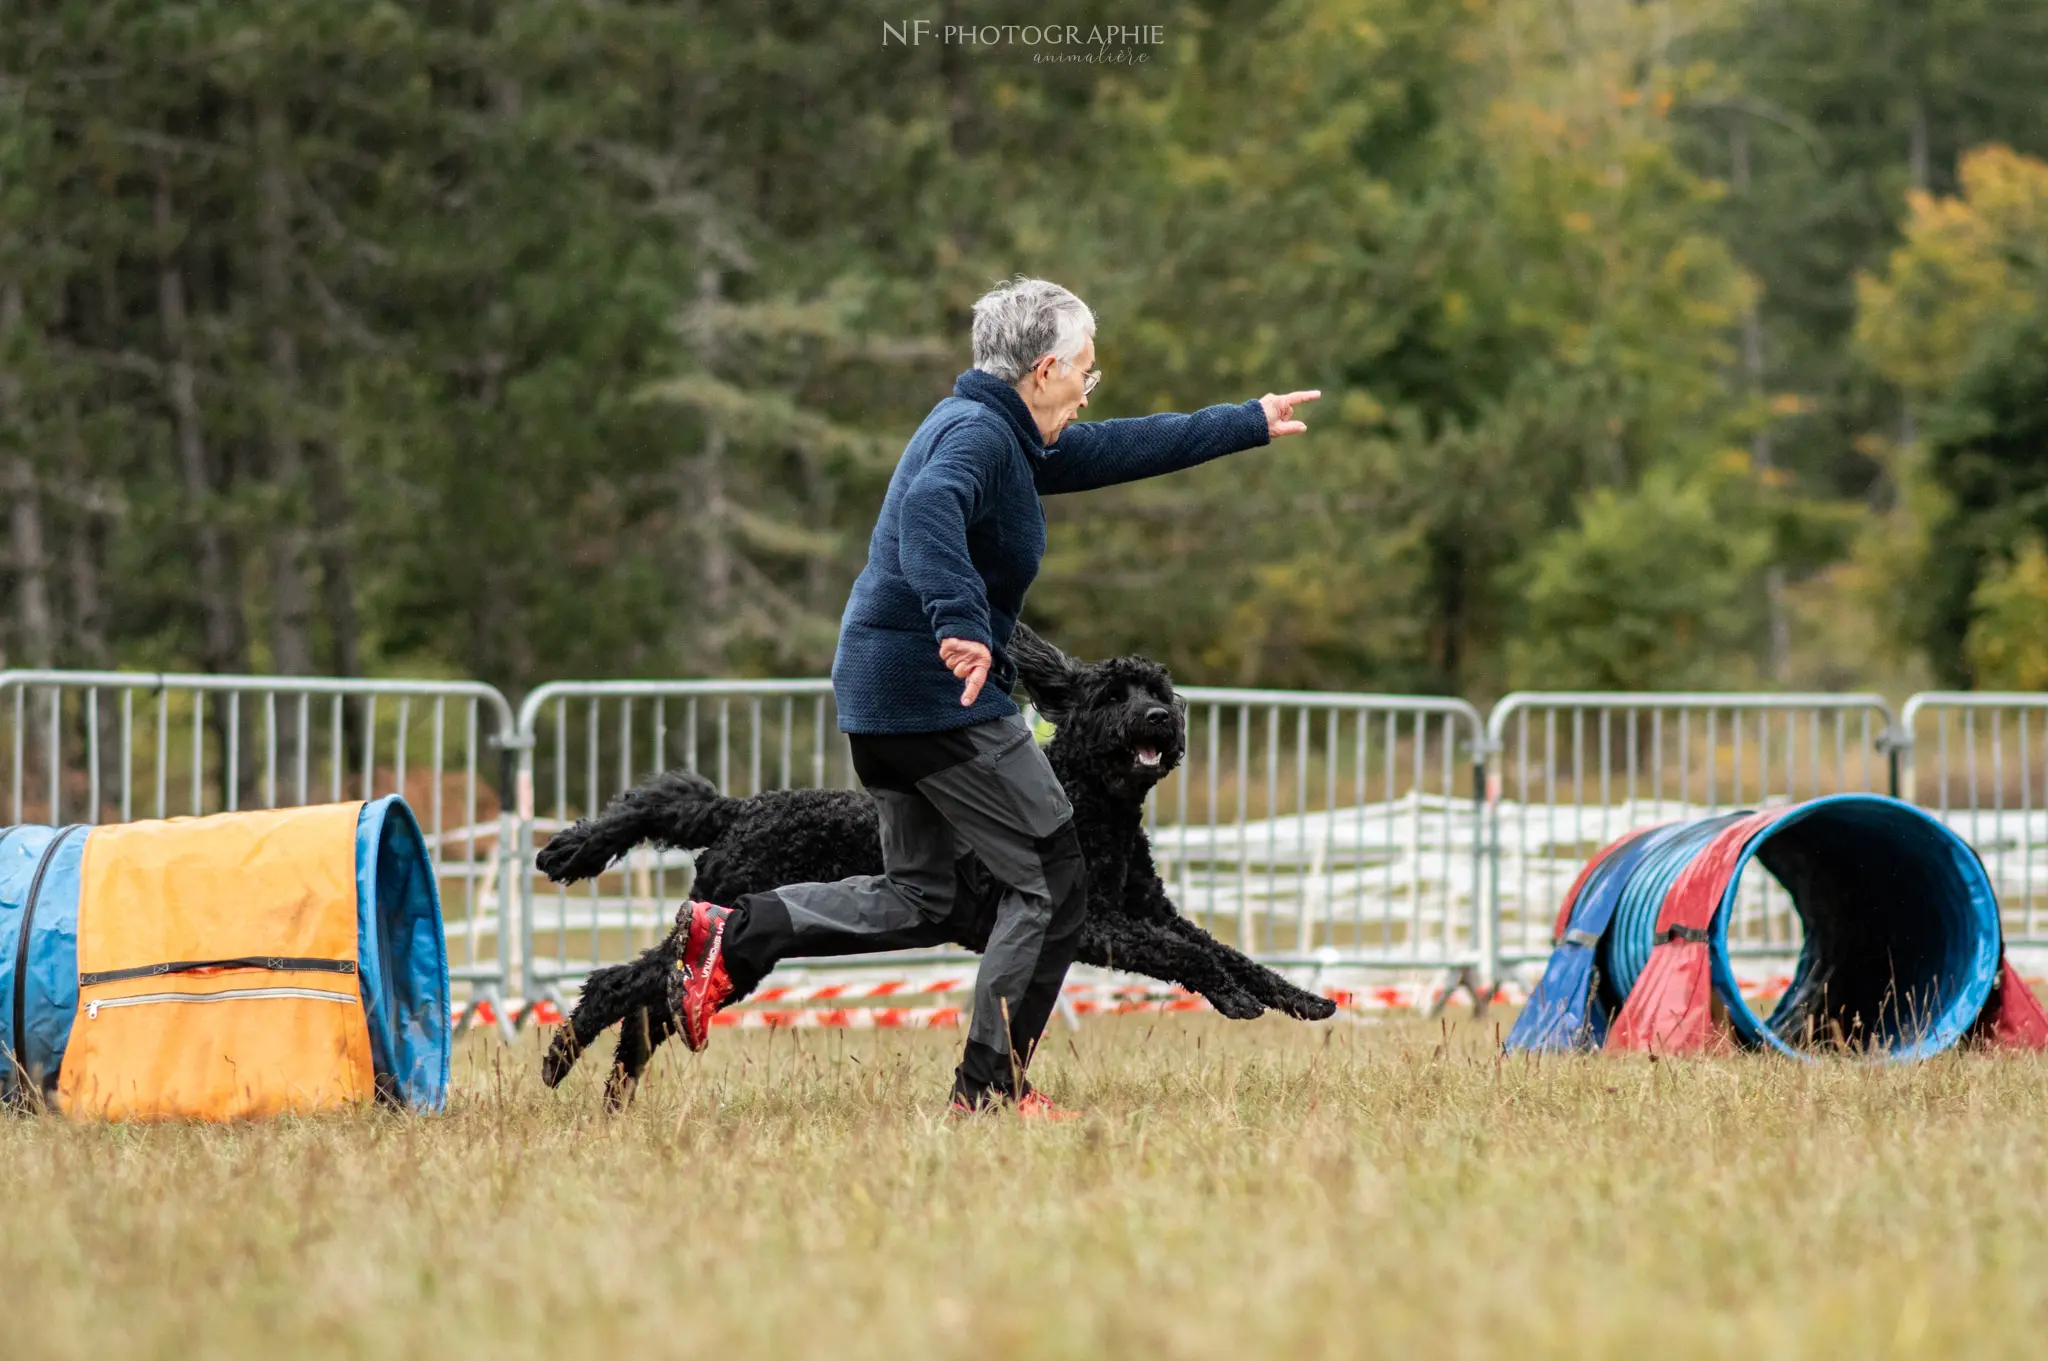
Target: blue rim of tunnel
{"x": 403, "y": 952}
{"x": 1974, "y": 942}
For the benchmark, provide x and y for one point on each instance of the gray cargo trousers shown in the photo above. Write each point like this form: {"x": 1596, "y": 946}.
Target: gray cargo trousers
{"x": 983, "y": 793}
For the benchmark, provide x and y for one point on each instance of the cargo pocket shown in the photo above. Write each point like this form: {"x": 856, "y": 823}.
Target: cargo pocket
{"x": 918, "y": 851}
{"x": 1018, "y": 769}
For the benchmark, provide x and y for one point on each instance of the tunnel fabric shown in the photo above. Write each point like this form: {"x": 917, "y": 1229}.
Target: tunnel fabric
{"x": 38, "y": 940}
{"x": 1666, "y": 1010}
{"x": 1902, "y": 953}
{"x": 1564, "y": 1009}
{"x": 323, "y": 922}
{"x": 217, "y": 1039}
{"x": 404, "y": 954}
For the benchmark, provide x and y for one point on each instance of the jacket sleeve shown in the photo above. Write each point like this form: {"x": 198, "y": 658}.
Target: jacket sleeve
{"x": 950, "y": 493}
{"x": 1091, "y": 454}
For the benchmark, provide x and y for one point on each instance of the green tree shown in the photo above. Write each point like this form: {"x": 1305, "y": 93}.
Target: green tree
{"x": 1651, "y": 588}
{"x": 1959, "y": 321}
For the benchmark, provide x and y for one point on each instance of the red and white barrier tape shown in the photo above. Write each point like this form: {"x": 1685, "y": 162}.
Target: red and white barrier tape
{"x": 844, "y": 1018}
{"x": 860, "y": 992}
{"x": 795, "y": 1007}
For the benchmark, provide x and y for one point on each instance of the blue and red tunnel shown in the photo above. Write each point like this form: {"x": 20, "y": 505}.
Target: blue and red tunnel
{"x": 1902, "y": 953}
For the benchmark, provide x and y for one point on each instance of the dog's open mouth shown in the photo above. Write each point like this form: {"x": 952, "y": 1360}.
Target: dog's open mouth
{"x": 1148, "y": 757}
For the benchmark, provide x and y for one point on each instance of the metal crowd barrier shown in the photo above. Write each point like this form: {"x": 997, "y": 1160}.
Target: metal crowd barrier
{"x": 1568, "y": 773}
{"x": 1310, "y": 829}
{"x": 1327, "y": 828}
{"x": 93, "y": 746}
{"x": 582, "y": 742}
{"x": 1979, "y": 762}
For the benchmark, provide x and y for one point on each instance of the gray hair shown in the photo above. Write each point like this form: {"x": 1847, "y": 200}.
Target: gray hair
{"x": 1020, "y": 322}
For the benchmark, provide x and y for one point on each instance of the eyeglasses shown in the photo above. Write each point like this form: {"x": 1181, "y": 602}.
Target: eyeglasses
{"x": 1087, "y": 384}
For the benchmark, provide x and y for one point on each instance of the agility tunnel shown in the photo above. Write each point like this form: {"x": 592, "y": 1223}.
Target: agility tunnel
{"x": 224, "y": 967}
{"x": 1902, "y": 954}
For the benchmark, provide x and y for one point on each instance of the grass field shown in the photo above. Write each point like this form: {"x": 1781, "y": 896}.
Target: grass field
{"x": 1258, "y": 1190}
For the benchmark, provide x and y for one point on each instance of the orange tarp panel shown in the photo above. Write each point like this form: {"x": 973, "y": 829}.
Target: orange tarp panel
{"x": 231, "y": 941}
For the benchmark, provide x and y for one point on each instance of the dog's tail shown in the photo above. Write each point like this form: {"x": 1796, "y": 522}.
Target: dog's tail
{"x": 677, "y": 808}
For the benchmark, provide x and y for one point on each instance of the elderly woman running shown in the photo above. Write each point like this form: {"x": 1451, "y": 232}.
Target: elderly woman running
{"x": 923, "y": 686}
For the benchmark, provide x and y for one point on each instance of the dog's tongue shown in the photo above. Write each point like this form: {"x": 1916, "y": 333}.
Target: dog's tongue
{"x": 1148, "y": 756}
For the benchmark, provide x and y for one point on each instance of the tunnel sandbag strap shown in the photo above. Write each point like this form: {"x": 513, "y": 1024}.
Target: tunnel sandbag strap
{"x": 1585, "y": 940}
{"x": 275, "y": 885}
{"x": 1667, "y": 1010}
{"x": 271, "y": 963}
{"x": 1698, "y": 935}
{"x": 19, "y": 1061}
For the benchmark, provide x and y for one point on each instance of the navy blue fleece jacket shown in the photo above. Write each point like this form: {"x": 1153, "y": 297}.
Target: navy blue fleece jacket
{"x": 961, "y": 535}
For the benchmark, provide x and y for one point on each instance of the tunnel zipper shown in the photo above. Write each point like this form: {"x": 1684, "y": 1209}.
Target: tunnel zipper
{"x": 93, "y": 1009}
{"x": 28, "y": 921}
{"x": 268, "y": 963}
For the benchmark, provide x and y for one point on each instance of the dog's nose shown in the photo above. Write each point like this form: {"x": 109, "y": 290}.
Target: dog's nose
{"x": 1157, "y": 714}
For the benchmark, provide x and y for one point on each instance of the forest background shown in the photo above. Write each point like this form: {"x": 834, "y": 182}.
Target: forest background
{"x": 1675, "y": 343}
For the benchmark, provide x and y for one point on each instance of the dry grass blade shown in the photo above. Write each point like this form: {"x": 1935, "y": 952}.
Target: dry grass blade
{"x": 1238, "y": 1191}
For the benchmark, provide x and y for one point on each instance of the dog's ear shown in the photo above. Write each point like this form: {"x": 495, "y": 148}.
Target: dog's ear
{"x": 1049, "y": 675}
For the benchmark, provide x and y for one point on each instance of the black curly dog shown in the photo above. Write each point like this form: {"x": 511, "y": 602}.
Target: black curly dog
{"x": 1120, "y": 730}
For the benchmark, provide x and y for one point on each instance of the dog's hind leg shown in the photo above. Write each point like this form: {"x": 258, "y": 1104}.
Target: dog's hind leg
{"x": 640, "y": 1034}
{"x": 609, "y": 996}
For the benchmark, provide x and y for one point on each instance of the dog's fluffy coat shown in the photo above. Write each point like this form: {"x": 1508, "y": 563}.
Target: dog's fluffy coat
{"x": 1119, "y": 730}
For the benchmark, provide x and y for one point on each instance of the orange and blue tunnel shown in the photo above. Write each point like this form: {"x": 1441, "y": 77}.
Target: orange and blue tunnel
{"x": 223, "y": 967}
{"x": 1902, "y": 954}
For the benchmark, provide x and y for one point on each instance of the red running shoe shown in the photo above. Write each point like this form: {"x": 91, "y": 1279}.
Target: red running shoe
{"x": 700, "y": 984}
{"x": 1036, "y": 1105}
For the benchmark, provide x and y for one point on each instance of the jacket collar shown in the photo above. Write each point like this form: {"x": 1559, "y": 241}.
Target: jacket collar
{"x": 994, "y": 393}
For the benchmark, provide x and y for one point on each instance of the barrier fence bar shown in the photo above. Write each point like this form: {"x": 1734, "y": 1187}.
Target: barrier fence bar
{"x": 1979, "y": 762}
{"x": 583, "y": 742}
{"x": 1569, "y": 772}
{"x": 94, "y": 746}
{"x": 1327, "y": 828}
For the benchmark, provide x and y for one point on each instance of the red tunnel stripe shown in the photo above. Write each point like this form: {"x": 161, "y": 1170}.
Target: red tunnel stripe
{"x": 1667, "y": 1011}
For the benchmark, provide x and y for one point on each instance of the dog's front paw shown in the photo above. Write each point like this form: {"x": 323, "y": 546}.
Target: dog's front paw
{"x": 569, "y": 856}
{"x": 557, "y": 857}
{"x": 1306, "y": 1006}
